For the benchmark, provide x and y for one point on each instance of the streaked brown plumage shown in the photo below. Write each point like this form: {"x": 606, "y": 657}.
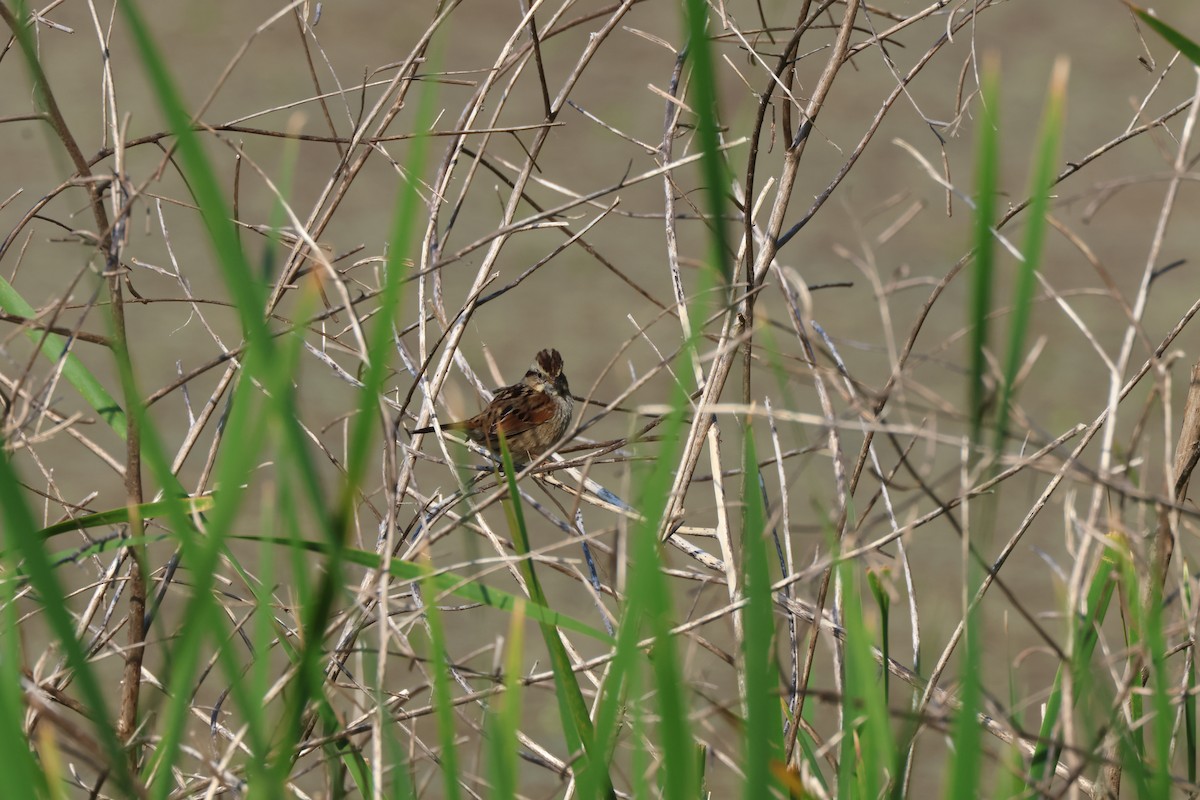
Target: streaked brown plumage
{"x": 533, "y": 414}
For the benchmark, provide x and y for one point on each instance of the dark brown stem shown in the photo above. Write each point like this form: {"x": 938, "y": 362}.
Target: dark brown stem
{"x": 131, "y": 682}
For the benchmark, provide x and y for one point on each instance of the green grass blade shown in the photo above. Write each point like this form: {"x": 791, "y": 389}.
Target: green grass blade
{"x": 505, "y": 718}
{"x": 247, "y": 294}
{"x": 361, "y": 439}
{"x": 443, "y": 700}
{"x": 763, "y": 746}
{"x": 1189, "y": 697}
{"x": 868, "y": 747}
{"x": 120, "y": 516}
{"x": 642, "y": 591}
{"x": 704, "y": 88}
{"x": 1035, "y": 233}
{"x": 54, "y": 348}
{"x": 21, "y": 768}
{"x": 675, "y": 735}
{"x": 883, "y": 602}
{"x": 201, "y": 553}
{"x": 247, "y": 425}
{"x": 1182, "y": 43}
{"x": 1084, "y": 639}
{"x": 1151, "y": 640}
{"x": 245, "y": 428}
{"x": 20, "y": 534}
{"x": 968, "y": 734}
{"x": 592, "y": 776}
{"x": 987, "y": 168}
{"x": 444, "y": 582}
{"x": 52, "y": 345}
{"x": 808, "y": 749}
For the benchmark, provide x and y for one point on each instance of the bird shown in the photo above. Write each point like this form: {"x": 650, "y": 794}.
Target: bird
{"x": 533, "y": 413}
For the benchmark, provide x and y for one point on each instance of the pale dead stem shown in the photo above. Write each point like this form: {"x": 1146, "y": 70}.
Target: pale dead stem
{"x": 109, "y": 242}
{"x": 457, "y": 328}
{"x": 673, "y": 112}
{"x": 1161, "y": 539}
{"x": 762, "y": 262}
{"x": 437, "y": 353}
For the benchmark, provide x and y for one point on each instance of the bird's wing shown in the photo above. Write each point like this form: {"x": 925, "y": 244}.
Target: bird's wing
{"x": 517, "y": 409}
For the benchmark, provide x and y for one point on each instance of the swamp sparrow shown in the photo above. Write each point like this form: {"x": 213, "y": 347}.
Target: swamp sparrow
{"x": 533, "y": 414}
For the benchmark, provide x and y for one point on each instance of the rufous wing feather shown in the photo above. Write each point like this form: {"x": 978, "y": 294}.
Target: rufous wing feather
{"x": 534, "y": 408}
{"x": 531, "y": 414}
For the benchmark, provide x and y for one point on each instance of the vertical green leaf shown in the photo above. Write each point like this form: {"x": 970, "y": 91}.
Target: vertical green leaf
{"x": 1040, "y": 183}
{"x": 21, "y": 539}
{"x": 443, "y": 701}
{"x": 868, "y": 747}
{"x": 763, "y": 735}
{"x": 592, "y": 777}
{"x": 20, "y": 767}
{"x": 704, "y": 88}
{"x": 506, "y": 714}
{"x": 987, "y": 168}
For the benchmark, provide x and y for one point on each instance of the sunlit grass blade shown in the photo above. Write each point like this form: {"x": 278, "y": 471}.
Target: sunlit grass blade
{"x": 263, "y": 628}
{"x": 259, "y": 360}
{"x": 248, "y": 422}
{"x": 620, "y": 680}
{"x": 247, "y": 294}
{"x": 115, "y": 541}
